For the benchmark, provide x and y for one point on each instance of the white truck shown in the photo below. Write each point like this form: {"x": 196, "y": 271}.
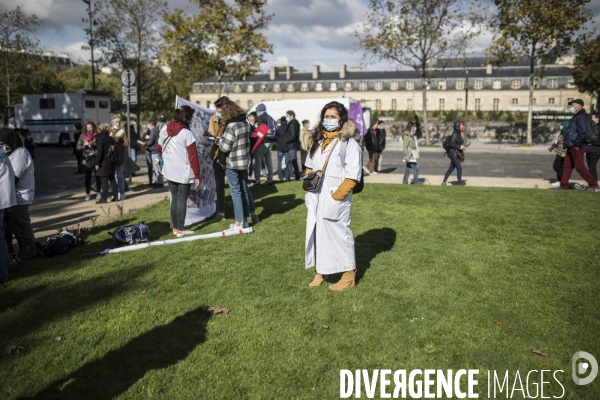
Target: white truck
{"x": 50, "y": 116}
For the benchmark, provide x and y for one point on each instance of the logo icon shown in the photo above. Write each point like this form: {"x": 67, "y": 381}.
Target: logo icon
{"x": 583, "y": 366}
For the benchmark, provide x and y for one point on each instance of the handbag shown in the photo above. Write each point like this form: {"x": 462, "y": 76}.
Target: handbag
{"x": 88, "y": 161}
{"x": 214, "y": 151}
{"x": 313, "y": 181}
{"x": 158, "y": 162}
{"x": 414, "y": 154}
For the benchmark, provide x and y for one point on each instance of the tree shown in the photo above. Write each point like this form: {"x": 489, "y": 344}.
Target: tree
{"x": 20, "y": 52}
{"x": 536, "y": 30}
{"x": 223, "y": 37}
{"x": 127, "y": 33}
{"x": 417, "y": 33}
{"x": 587, "y": 69}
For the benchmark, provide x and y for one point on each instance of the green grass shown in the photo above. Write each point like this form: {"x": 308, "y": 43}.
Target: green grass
{"x": 438, "y": 266}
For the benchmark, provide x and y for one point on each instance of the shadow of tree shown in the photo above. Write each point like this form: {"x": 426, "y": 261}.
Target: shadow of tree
{"x": 111, "y": 375}
{"x": 277, "y": 205}
{"x": 369, "y": 244}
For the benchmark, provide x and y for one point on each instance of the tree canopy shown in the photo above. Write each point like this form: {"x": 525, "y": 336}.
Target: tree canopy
{"x": 587, "y": 68}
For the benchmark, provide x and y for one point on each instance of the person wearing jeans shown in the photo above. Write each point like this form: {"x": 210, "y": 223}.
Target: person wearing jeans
{"x": 152, "y": 154}
{"x": 219, "y": 172}
{"x": 120, "y": 137}
{"x": 243, "y": 202}
{"x": 179, "y": 195}
{"x": 105, "y": 170}
{"x": 593, "y": 151}
{"x": 410, "y": 153}
{"x": 8, "y": 199}
{"x": 456, "y": 145}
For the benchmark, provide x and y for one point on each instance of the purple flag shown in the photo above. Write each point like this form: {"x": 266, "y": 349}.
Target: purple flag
{"x": 355, "y": 113}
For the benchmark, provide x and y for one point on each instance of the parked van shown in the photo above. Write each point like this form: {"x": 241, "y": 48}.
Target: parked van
{"x": 50, "y": 116}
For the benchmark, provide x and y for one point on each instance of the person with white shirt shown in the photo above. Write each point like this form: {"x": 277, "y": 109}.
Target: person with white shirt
{"x": 22, "y": 165}
{"x": 8, "y": 199}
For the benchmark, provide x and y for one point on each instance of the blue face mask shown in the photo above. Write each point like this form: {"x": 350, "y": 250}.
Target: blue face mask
{"x": 330, "y": 124}
{"x": 219, "y": 115}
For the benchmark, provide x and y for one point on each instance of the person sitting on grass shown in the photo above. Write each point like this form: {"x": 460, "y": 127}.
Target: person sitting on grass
{"x": 329, "y": 239}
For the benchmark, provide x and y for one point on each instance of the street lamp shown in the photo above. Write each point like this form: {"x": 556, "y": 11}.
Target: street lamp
{"x": 89, "y": 3}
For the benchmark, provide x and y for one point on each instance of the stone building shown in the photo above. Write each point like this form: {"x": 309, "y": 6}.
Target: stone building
{"x": 489, "y": 88}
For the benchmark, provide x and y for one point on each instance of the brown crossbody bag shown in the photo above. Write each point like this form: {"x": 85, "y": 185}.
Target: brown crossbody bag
{"x": 313, "y": 181}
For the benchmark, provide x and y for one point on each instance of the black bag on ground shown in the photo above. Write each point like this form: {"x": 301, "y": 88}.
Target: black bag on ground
{"x": 60, "y": 243}
{"x": 131, "y": 234}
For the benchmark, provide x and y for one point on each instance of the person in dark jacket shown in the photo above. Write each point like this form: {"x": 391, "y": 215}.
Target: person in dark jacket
{"x": 593, "y": 151}
{"x": 104, "y": 169}
{"x": 381, "y": 134}
{"x": 78, "y": 153}
{"x": 133, "y": 141}
{"x": 292, "y": 142}
{"x": 456, "y": 145}
{"x": 152, "y": 154}
{"x": 372, "y": 144}
{"x": 282, "y": 170}
{"x": 573, "y": 141}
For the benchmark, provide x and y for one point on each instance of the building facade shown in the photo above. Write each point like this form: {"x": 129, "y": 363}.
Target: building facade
{"x": 489, "y": 88}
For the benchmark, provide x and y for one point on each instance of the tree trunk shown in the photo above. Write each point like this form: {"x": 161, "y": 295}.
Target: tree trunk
{"x": 425, "y": 123}
{"x": 219, "y": 84}
{"x": 530, "y": 112}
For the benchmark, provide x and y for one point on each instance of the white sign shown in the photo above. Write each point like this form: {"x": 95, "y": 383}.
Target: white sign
{"x": 131, "y": 89}
{"x": 131, "y": 98}
{"x": 127, "y": 77}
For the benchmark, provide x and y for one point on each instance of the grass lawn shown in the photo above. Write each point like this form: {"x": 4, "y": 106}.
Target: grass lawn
{"x": 449, "y": 278}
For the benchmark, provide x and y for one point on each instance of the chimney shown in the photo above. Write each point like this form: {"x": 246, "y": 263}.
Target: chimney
{"x": 288, "y": 72}
{"x": 488, "y": 69}
{"x": 342, "y": 71}
{"x": 272, "y": 73}
{"x": 316, "y": 71}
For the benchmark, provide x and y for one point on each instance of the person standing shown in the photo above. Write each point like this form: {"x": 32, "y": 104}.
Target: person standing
{"x": 152, "y": 154}
{"x": 86, "y": 145}
{"x": 292, "y": 142}
{"x": 120, "y": 136}
{"x": 456, "y": 145}
{"x": 263, "y": 118}
{"x": 22, "y": 165}
{"x": 304, "y": 142}
{"x": 329, "y": 239}
{"x": 133, "y": 141}
{"x": 215, "y": 129}
{"x": 573, "y": 140}
{"x": 105, "y": 170}
{"x": 282, "y": 165}
{"x": 561, "y": 152}
{"x": 177, "y": 145}
{"x": 235, "y": 142}
{"x": 371, "y": 140}
{"x": 411, "y": 153}
{"x": 78, "y": 154}
{"x": 381, "y": 134}
{"x": 8, "y": 199}
{"x": 593, "y": 151}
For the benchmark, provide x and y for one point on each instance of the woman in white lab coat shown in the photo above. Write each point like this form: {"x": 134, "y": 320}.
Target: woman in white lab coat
{"x": 329, "y": 239}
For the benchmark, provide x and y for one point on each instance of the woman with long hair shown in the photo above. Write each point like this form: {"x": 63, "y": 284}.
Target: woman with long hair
{"x": 105, "y": 170}
{"x": 329, "y": 239}
{"x": 411, "y": 153}
{"x": 180, "y": 164}
{"x": 86, "y": 144}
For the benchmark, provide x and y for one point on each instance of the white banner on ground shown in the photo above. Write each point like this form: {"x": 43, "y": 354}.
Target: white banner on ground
{"x": 201, "y": 201}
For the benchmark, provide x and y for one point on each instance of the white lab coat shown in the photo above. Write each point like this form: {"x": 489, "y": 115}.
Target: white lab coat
{"x": 329, "y": 239}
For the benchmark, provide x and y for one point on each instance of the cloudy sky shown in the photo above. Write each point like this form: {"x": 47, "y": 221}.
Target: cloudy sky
{"x": 304, "y": 33}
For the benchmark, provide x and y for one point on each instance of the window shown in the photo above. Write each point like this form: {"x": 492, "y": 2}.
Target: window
{"x": 237, "y": 88}
{"x": 394, "y": 85}
{"x": 362, "y": 85}
{"x": 552, "y": 84}
{"x": 378, "y": 85}
{"x": 208, "y": 88}
{"x": 319, "y": 86}
{"x": 47, "y": 104}
{"x": 103, "y": 104}
{"x": 459, "y": 104}
{"x": 250, "y": 88}
{"x": 515, "y": 84}
{"x": 250, "y": 104}
{"x": 551, "y": 100}
{"x": 290, "y": 87}
{"x": 237, "y": 102}
{"x": 442, "y": 104}
{"x": 477, "y": 104}
{"x": 460, "y": 85}
{"x": 536, "y": 82}
{"x": 263, "y": 87}
{"x": 333, "y": 86}
{"x": 197, "y": 101}
{"x": 410, "y": 85}
{"x": 497, "y": 84}
{"x": 208, "y": 104}
{"x": 571, "y": 84}
{"x": 478, "y": 84}
{"x": 496, "y": 104}
{"x": 534, "y": 100}
{"x": 197, "y": 88}
{"x": 515, "y": 102}
{"x": 89, "y": 104}
{"x": 348, "y": 86}
{"x": 304, "y": 87}
{"x": 409, "y": 104}
{"x": 394, "y": 104}
{"x": 570, "y": 99}
{"x": 378, "y": 104}
{"x": 442, "y": 85}
{"x": 277, "y": 87}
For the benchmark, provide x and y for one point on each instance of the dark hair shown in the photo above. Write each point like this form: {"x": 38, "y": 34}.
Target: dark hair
{"x": 221, "y": 100}
{"x": 317, "y": 134}
{"x": 290, "y": 112}
{"x": 92, "y": 124}
{"x": 380, "y": 122}
{"x": 152, "y": 122}
{"x": 77, "y": 125}
{"x": 409, "y": 127}
{"x": 230, "y": 110}
{"x": 183, "y": 114}
{"x": 305, "y": 122}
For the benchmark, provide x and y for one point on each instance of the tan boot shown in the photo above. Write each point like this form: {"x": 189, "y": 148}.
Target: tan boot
{"x": 347, "y": 281}
{"x": 319, "y": 278}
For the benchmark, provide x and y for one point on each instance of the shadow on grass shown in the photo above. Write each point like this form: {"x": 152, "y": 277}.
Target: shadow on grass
{"x": 277, "y": 205}
{"x": 369, "y": 244}
{"x": 119, "y": 369}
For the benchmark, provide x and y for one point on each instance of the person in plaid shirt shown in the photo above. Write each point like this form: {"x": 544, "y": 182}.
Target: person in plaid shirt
{"x": 235, "y": 143}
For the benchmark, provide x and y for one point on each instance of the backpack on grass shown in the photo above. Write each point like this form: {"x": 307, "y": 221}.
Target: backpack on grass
{"x": 131, "y": 234}
{"x": 60, "y": 243}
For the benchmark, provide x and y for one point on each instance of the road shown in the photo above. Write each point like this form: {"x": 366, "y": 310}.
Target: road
{"x": 55, "y": 167}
